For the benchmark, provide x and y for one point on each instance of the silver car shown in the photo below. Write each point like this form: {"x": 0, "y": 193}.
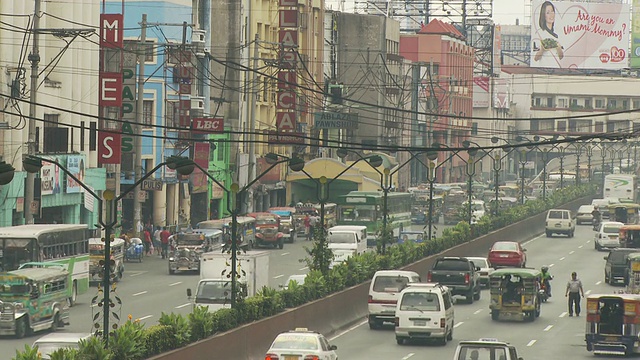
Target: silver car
{"x": 485, "y": 269}
{"x": 58, "y": 340}
{"x": 584, "y": 214}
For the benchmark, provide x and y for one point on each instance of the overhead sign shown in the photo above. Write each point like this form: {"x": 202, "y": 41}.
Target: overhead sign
{"x": 334, "y": 120}
{"x": 153, "y": 185}
{"x": 579, "y": 35}
{"x": 207, "y": 125}
{"x": 109, "y": 147}
{"x": 481, "y": 97}
{"x": 285, "y": 138}
{"x": 111, "y": 34}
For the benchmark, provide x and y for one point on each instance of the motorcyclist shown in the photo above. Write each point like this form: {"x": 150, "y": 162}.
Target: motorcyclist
{"x": 546, "y": 279}
{"x": 596, "y": 217}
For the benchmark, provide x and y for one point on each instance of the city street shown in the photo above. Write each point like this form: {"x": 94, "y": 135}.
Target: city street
{"x": 553, "y": 335}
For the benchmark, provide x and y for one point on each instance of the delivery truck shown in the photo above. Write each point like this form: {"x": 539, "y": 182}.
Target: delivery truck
{"x": 214, "y": 287}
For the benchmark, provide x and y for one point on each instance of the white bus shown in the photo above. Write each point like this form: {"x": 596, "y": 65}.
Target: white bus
{"x": 621, "y": 186}
{"x": 66, "y": 244}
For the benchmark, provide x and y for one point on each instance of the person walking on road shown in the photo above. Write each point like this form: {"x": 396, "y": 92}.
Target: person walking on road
{"x": 157, "y": 240}
{"x": 164, "y": 236}
{"x": 573, "y": 292}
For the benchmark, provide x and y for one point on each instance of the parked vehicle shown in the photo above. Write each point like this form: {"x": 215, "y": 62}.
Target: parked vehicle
{"x": 486, "y": 349}
{"x": 459, "y": 274}
{"x": 384, "y": 292}
{"x": 584, "y": 214}
{"x": 34, "y": 299}
{"x": 617, "y": 263}
{"x": 507, "y": 254}
{"x": 560, "y": 221}
{"x": 214, "y": 287}
{"x": 96, "y": 255}
{"x": 287, "y": 224}
{"x": 515, "y": 294}
{"x": 268, "y": 230}
{"x": 424, "y": 311}
{"x": 612, "y": 324}
{"x": 608, "y": 235}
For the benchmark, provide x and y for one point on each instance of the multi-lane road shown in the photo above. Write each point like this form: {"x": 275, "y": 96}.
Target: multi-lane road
{"x": 147, "y": 290}
{"x": 553, "y": 335}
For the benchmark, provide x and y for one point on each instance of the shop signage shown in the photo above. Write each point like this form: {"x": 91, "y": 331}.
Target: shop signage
{"x": 334, "y": 120}
{"x": 286, "y": 138}
{"x": 109, "y": 145}
{"x": 207, "y": 125}
{"x": 153, "y": 185}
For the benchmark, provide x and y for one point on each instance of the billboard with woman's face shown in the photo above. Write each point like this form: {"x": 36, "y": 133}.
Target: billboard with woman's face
{"x": 579, "y": 35}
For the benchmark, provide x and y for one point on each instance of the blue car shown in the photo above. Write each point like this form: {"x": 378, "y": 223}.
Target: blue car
{"x": 415, "y": 236}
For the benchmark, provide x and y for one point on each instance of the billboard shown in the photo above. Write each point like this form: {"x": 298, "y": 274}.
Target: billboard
{"x": 50, "y": 179}
{"x": 75, "y": 165}
{"x": 481, "y": 97}
{"x": 635, "y": 34}
{"x": 579, "y": 35}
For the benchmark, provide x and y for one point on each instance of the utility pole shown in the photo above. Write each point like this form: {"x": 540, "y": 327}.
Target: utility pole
{"x": 137, "y": 142}
{"x": 252, "y": 120}
{"x": 34, "y": 58}
{"x": 415, "y": 83}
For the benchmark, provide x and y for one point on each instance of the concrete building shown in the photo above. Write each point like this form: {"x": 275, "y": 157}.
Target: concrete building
{"x": 66, "y": 111}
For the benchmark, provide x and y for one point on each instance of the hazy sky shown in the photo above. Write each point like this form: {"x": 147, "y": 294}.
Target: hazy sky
{"x": 504, "y": 11}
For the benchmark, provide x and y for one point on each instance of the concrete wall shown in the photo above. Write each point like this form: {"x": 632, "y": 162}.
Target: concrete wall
{"x": 341, "y": 309}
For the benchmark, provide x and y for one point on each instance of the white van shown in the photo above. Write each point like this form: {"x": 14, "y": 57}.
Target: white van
{"x": 425, "y": 311}
{"x": 560, "y": 221}
{"x": 384, "y": 292}
{"x": 346, "y": 241}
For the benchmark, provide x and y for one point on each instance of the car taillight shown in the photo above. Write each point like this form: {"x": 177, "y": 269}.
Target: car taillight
{"x": 429, "y": 276}
{"x": 442, "y": 322}
{"x": 467, "y": 278}
{"x": 311, "y": 357}
{"x": 397, "y": 321}
{"x": 271, "y": 357}
{"x": 370, "y": 299}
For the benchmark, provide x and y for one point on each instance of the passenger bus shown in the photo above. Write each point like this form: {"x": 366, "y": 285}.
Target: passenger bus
{"x": 366, "y": 208}
{"x": 66, "y": 244}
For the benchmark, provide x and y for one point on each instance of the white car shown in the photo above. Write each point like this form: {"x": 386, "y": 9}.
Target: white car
{"x": 608, "y": 235}
{"x": 485, "y": 269}
{"x": 58, "y": 340}
{"x": 299, "y": 279}
{"x": 301, "y": 344}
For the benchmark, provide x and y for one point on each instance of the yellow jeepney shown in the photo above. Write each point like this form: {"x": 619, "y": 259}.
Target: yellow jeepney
{"x": 96, "y": 254}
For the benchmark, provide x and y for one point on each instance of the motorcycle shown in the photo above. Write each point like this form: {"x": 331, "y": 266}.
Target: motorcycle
{"x": 544, "y": 291}
{"x": 596, "y": 223}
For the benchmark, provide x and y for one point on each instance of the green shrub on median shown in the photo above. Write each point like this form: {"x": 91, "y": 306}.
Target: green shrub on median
{"x": 175, "y": 331}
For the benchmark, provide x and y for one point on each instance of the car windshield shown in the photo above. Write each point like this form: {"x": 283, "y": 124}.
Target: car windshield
{"x": 479, "y": 352}
{"x": 556, "y": 214}
{"x": 213, "y": 292}
{"x": 451, "y": 264}
{"x": 266, "y": 220}
{"x": 390, "y": 283}
{"x": 610, "y": 229}
{"x": 295, "y": 342}
{"x": 425, "y": 301}
{"x": 342, "y": 238}
{"x": 481, "y": 263}
{"x": 585, "y": 209}
{"x": 505, "y": 246}
{"x": 619, "y": 257}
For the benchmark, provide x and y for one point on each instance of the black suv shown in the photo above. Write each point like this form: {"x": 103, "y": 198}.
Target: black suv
{"x": 615, "y": 270}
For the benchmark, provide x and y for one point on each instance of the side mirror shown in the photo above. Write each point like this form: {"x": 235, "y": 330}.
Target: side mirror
{"x": 477, "y": 268}
{"x": 188, "y": 292}
{"x": 524, "y": 249}
{"x": 333, "y": 347}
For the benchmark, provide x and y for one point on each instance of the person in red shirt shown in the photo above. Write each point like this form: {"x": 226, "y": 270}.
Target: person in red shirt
{"x": 147, "y": 241}
{"x": 164, "y": 238}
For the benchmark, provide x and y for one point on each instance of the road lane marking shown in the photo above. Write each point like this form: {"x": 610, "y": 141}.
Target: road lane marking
{"x": 532, "y": 240}
{"x": 136, "y": 273}
{"x": 580, "y": 247}
{"x": 599, "y": 282}
{"x": 571, "y": 252}
{"x": 531, "y": 342}
{"x": 562, "y": 258}
{"x": 548, "y": 328}
{"x": 304, "y": 268}
{"x": 176, "y": 283}
{"x": 278, "y": 276}
{"x": 183, "y": 305}
{"x": 477, "y": 312}
{"x": 588, "y": 241}
{"x": 145, "y": 317}
{"x": 348, "y": 330}
{"x": 408, "y": 356}
{"x": 563, "y": 314}
{"x": 587, "y": 292}
{"x": 139, "y": 293}
{"x": 458, "y": 324}
{"x": 551, "y": 265}
{"x": 285, "y": 253}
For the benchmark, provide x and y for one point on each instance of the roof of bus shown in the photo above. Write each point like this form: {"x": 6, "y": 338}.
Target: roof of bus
{"x": 36, "y": 274}
{"x": 29, "y": 231}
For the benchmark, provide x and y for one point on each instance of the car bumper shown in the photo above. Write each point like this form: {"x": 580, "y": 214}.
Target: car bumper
{"x": 608, "y": 243}
{"x": 459, "y": 289}
{"x": 420, "y": 333}
{"x": 506, "y": 262}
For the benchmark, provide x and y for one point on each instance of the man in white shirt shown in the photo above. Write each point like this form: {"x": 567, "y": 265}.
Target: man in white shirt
{"x": 574, "y": 290}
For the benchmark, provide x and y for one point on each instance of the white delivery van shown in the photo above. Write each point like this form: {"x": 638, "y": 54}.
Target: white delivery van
{"x": 346, "y": 241}
{"x": 424, "y": 311}
{"x": 384, "y": 292}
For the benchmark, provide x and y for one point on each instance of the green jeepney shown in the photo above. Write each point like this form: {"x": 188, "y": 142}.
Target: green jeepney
{"x": 33, "y": 299}
{"x": 514, "y": 294}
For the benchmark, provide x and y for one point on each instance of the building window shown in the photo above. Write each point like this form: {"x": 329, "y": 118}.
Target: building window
{"x": 474, "y": 128}
{"x": 612, "y": 104}
{"x": 147, "y": 112}
{"x": 265, "y": 88}
{"x": 636, "y": 127}
{"x": 599, "y": 103}
{"x": 636, "y": 104}
{"x": 587, "y": 104}
{"x": 148, "y": 48}
{"x": 563, "y": 103}
{"x": 625, "y": 104}
{"x": 599, "y": 127}
{"x": 171, "y": 114}
{"x": 220, "y": 151}
{"x": 56, "y": 139}
{"x": 562, "y": 125}
{"x": 258, "y": 92}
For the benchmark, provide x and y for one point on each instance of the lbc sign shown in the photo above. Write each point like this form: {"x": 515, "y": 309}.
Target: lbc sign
{"x": 207, "y": 125}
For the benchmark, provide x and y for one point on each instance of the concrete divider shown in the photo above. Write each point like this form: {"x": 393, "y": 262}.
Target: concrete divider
{"x": 339, "y": 310}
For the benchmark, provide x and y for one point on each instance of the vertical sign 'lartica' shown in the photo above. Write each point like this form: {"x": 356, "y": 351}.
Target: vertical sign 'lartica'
{"x": 286, "y": 102}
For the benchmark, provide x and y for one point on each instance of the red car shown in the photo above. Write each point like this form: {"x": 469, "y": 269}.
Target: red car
{"x": 507, "y": 254}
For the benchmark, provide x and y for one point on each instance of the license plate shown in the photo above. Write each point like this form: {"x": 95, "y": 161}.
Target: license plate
{"x": 291, "y": 357}
{"x": 558, "y": 225}
{"x": 611, "y": 338}
{"x": 612, "y": 237}
{"x": 420, "y": 323}
{"x": 504, "y": 255}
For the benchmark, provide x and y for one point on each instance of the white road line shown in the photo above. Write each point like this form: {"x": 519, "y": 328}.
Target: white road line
{"x": 599, "y": 282}
{"x": 571, "y": 252}
{"x": 136, "y": 273}
{"x": 145, "y": 317}
{"x": 532, "y": 240}
{"x": 139, "y": 293}
{"x": 348, "y": 330}
{"x": 562, "y": 258}
{"x": 176, "y": 283}
{"x": 183, "y": 305}
{"x": 477, "y": 312}
{"x": 278, "y": 276}
{"x": 551, "y": 265}
{"x": 548, "y": 328}
{"x": 587, "y": 292}
{"x": 408, "y": 356}
{"x": 304, "y": 268}
{"x": 458, "y": 324}
{"x": 563, "y": 314}
{"x": 580, "y": 247}
{"x": 531, "y": 342}
{"x": 588, "y": 241}
{"x": 285, "y": 253}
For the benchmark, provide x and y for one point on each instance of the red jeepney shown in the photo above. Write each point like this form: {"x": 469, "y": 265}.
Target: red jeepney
{"x": 268, "y": 231}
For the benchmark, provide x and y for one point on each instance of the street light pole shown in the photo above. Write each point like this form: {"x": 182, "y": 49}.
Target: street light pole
{"x": 497, "y": 165}
{"x": 471, "y": 171}
{"x": 579, "y": 150}
{"x": 562, "y": 149}
{"x": 589, "y": 154}
{"x": 545, "y": 159}
{"x": 523, "y": 162}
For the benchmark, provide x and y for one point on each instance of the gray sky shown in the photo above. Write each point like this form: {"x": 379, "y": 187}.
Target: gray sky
{"x": 504, "y": 11}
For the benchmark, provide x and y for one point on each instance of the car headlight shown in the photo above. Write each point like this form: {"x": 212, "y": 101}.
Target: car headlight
{"x": 170, "y": 259}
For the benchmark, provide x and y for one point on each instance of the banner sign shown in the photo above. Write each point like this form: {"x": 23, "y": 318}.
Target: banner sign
{"x": 286, "y": 100}
{"x": 50, "y": 175}
{"x": 75, "y": 165}
{"x": 579, "y": 35}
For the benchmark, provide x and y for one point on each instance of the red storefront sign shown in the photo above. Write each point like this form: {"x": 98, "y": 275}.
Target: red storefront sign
{"x": 207, "y": 125}
{"x": 286, "y": 121}
{"x": 109, "y": 147}
{"x": 110, "y": 89}
{"x": 111, "y": 30}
